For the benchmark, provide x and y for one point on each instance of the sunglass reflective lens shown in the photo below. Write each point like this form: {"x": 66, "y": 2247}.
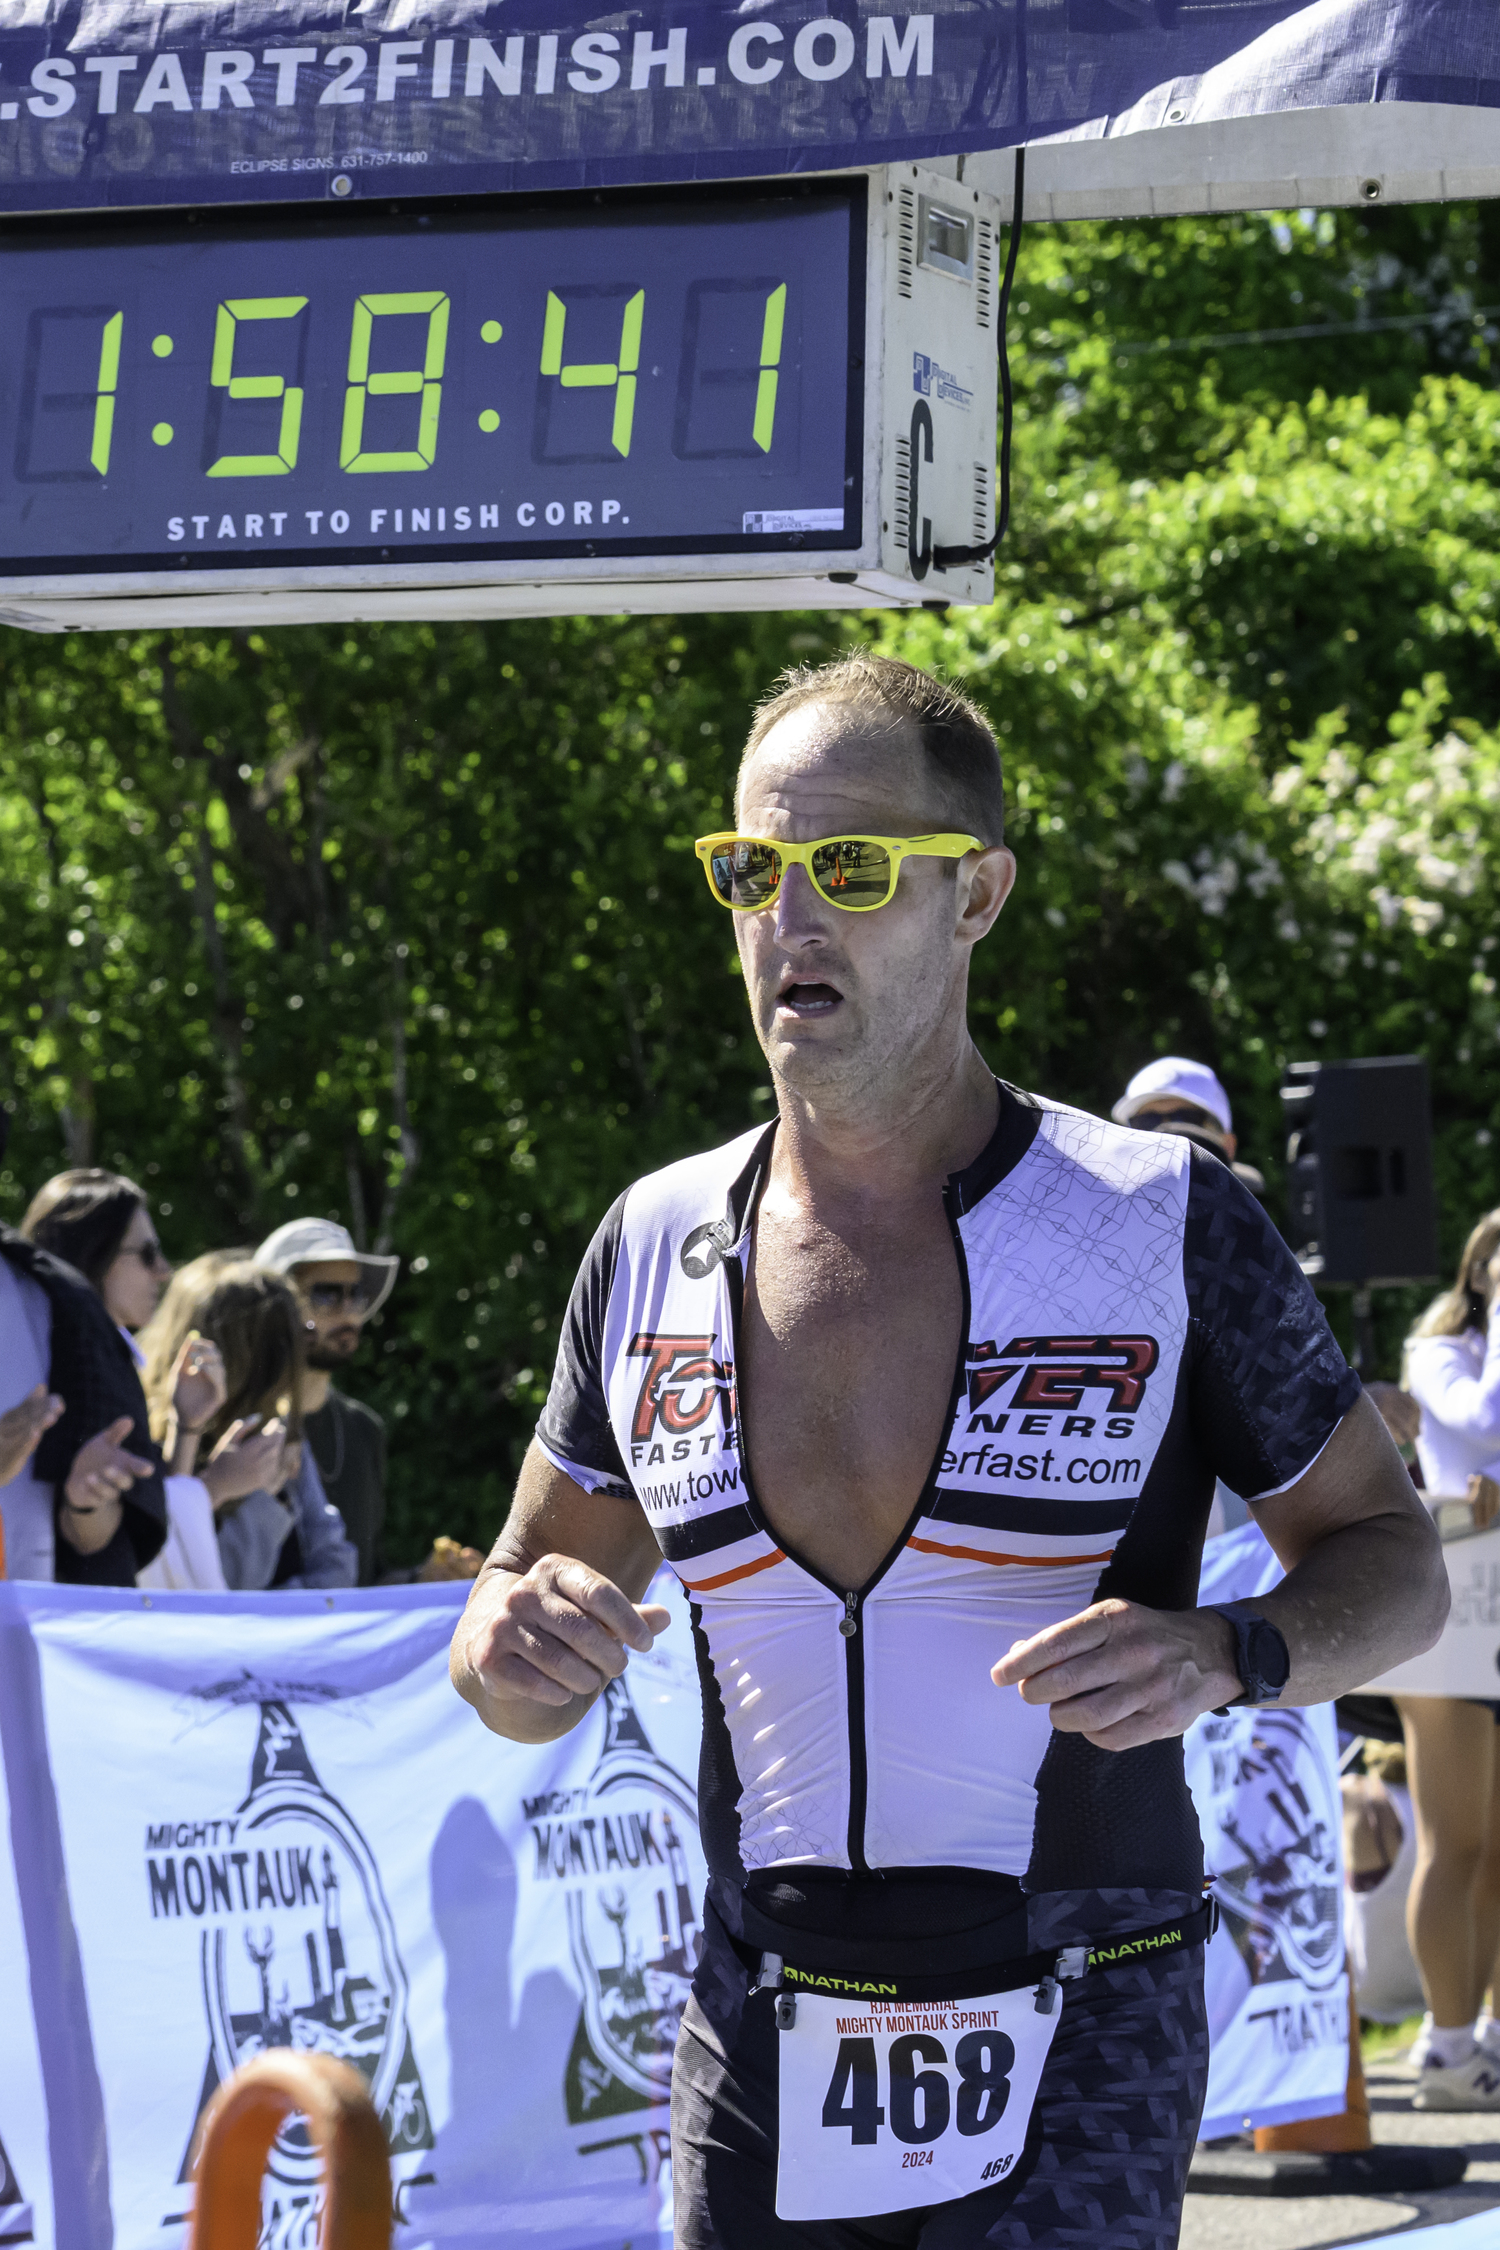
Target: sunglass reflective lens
{"x": 853, "y": 872}
{"x": 745, "y": 873}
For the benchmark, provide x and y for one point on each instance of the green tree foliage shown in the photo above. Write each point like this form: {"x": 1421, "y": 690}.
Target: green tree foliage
{"x": 402, "y": 924}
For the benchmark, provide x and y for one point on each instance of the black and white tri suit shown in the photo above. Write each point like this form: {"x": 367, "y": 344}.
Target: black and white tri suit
{"x": 1133, "y": 1328}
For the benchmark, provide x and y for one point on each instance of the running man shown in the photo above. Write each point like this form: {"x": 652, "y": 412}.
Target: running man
{"x": 921, "y": 1390}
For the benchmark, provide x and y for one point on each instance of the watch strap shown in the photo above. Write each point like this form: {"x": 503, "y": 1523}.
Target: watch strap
{"x": 1245, "y": 1617}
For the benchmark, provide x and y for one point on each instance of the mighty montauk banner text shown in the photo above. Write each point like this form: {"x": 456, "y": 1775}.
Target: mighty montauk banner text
{"x": 128, "y": 102}
{"x": 266, "y": 1821}
{"x": 234, "y": 1822}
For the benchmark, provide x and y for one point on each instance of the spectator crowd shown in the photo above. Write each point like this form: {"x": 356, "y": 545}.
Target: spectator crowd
{"x": 183, "y": 1430}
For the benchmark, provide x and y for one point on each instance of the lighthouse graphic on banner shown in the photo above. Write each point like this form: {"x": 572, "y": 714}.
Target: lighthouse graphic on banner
{"x": 622, "y": 1855}
{"x": 307, "y": 1958}
{"x": 15, "y": 2211}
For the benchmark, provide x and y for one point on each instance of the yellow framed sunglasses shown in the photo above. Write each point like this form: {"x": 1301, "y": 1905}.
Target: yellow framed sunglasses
{"x": 857, "y": 873}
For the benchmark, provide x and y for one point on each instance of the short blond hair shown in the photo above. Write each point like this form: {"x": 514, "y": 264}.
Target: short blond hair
{"x": 958, "y": 743}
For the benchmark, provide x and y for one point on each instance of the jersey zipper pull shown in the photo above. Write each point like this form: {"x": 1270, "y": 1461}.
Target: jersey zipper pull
{"x": 849, "y": 1623}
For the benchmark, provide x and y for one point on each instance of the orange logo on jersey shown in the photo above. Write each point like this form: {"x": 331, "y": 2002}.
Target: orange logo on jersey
{"x": 681, "y": 1384}
{"x": 1062, "y": 1368}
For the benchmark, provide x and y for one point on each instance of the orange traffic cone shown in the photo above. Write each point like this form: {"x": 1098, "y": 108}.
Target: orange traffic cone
{"x": 243, "y": 2120}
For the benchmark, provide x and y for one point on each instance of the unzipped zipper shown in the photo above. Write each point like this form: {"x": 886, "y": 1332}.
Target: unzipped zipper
{"x": 854, "y": 1689}
{"x": 851, "y": 1622}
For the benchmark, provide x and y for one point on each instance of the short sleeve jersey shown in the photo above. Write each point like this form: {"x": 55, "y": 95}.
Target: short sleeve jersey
{"x": 1135, "y": 1328}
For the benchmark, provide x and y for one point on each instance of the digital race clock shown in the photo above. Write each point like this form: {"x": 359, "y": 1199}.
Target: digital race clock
{"x": 463, "y": 409}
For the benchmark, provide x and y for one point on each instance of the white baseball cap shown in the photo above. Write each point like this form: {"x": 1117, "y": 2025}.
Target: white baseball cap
{"x": 312, "y": 1242}
{"x": 1173, "y": 1077}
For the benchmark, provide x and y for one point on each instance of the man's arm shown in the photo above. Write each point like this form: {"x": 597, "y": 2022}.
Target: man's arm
{"x": 555, "y": 1610}
{"x": 1365, "y": 1589}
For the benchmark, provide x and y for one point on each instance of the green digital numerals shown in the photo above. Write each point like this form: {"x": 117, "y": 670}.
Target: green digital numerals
{"x": 426, "y": 380}
{"x": 104, "y": 392}
{"x": 620, "y": 374}
{"x": 222, "y": 376}
{"x": 423, "y": 383}
{"x": 764, "y": 425}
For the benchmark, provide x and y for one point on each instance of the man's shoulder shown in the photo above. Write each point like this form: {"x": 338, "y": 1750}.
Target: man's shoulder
{"x": 714, "y": 1186}
{"x": 1099, "y": 1151}
{"x": 354, "y": 1410}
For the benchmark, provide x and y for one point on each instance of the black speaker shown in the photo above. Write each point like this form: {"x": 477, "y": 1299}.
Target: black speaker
{"x": 1360, "y": 1204}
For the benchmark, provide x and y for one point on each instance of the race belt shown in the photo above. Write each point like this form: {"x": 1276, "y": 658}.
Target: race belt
{"x": 899, "y": 2093}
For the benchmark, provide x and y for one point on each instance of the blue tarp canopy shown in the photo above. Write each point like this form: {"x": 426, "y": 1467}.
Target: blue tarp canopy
{"x": 141, "y": 102}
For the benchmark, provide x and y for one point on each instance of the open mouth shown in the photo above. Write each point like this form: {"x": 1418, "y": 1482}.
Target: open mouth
{"x": 807, "y": 1000}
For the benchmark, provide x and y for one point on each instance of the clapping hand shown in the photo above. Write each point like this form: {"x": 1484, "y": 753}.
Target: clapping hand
{"x": 22, "y": 1428}
{"x": 246, "y": 1459}
{"x": 102, "y": 1469}
{"x": 199, "y": 1386}
{"x": 102, "y": 1472}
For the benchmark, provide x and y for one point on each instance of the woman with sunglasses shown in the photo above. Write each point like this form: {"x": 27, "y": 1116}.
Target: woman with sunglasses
{"x": 99, "y": 1223}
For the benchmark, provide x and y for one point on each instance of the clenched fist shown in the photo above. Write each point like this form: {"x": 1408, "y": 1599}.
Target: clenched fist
{"x": 534, "y": 1649}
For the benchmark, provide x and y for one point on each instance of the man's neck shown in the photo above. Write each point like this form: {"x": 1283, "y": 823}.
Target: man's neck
{"x": 316, "y": 1384}
{"x": 931, "y": 1125}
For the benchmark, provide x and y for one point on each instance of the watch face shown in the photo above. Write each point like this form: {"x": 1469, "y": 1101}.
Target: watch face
{"x": 1268, "y": 1656}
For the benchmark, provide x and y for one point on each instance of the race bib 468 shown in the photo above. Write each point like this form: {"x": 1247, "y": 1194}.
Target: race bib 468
{"x": 890, "y": 2105}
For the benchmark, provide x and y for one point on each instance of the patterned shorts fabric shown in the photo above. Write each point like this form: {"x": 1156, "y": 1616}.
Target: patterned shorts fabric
{"x": 1113, "y": 2129}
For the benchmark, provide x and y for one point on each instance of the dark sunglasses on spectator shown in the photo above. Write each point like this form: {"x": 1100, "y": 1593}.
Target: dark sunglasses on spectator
{"x": 151, "y": 1254}
{"x": 332, "y": 1296}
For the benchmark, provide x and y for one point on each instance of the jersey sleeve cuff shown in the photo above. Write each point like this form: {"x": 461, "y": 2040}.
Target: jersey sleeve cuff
{"x": 1272, "y": 1491}
{"x": 592, "y": 1480}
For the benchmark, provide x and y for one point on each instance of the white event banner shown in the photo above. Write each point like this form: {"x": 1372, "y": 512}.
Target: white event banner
{"x": 1266, "y": 1785}
{"x": 250, "y": 1821}
{"x": 238, "y": 1821}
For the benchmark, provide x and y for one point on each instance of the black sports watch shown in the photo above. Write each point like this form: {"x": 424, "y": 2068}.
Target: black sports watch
{"x": 1261, "y": 1656}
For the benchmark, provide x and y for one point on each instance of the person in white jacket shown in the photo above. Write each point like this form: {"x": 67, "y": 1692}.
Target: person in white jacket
{"x": 1453, "y": 1744}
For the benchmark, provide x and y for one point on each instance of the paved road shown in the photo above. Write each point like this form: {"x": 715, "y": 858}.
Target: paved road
{"x": 1253, "y": 2222}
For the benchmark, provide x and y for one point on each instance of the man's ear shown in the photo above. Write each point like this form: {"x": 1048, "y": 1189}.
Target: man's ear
{"x": 986, "y": 882}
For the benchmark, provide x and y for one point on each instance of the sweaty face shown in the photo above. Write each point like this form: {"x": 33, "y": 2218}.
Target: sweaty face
{"x": 844, "y": 1002}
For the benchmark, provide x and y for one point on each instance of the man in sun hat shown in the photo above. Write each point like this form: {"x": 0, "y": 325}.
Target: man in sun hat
{"x": 1175, "y": 1095}
{"x": 341, "y": 1288}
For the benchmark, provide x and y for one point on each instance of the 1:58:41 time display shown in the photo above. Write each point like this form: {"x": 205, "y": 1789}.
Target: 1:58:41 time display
{"x": 422, "y": 383}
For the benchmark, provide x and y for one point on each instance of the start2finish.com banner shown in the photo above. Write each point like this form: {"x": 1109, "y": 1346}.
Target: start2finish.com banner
{"x": 232, "y": 1822}
{"x": 109, "y": 102}
{"x": 266, "y": 1821}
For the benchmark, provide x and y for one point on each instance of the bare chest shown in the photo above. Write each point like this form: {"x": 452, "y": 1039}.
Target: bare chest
{"x": 847, "y": 1352}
